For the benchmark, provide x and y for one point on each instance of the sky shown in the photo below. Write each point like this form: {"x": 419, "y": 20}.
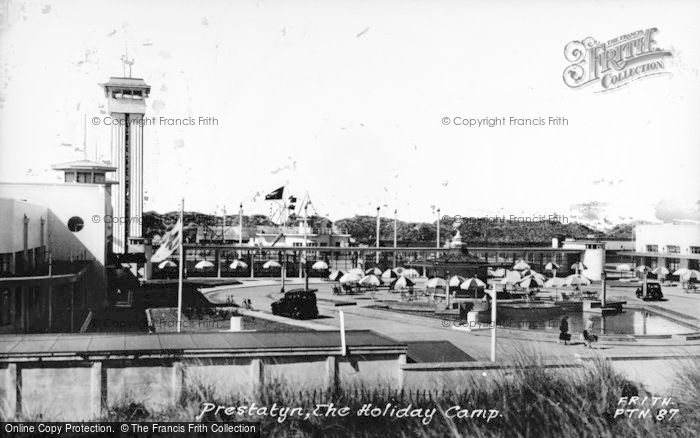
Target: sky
{"x": 344, "y": 101}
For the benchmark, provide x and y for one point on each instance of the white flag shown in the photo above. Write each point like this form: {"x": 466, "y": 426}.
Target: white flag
{"x": 169, "y": 243}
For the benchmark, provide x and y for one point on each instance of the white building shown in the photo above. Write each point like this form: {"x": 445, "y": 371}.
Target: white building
{"x": 301, "y": 235}
{"x": 55, "y": 240}
{"x": 593, "y": 255}
{"x": 673, "y": 245}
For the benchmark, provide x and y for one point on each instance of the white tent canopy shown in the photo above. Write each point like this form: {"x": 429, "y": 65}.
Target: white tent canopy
{"x": 350, "y": 278}
{"x": 436, "y": 282}
{"x": 319, "y": 266}
{"x": 471, "y": 283}
{"x": 204, "y": 264}
{"x": 370, "y": 280}
{"x": 166, "y": 264}
{"x": 238, "y": 264}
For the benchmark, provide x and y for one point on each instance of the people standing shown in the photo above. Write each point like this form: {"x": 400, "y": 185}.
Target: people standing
{"x": 564, "y": 330}
{"x": 588, "y": 335}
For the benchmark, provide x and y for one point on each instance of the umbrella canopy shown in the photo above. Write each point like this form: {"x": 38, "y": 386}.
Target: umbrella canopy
{"x": 642, "y": 268}
{"x": 166, "y": 264}
{"x": 402, "y": 283}
{"x": 692, "y": 273}
{"x": 681, "y": 271}
{"x": 357, "y": 272}
{"x": 389, "y": 273}
{"x": 531, "y": 282}
{"x": 661, "y": 270}
{"x": 455, "y": 280}
{"x": 350, "y": 278}
{"x": 536, "y": 275}
{"x": 500, "y": 272}
{"x": 471, "y": 283}
{"x": 335, "y": 275}
{"x": 555, "y": 282}
{"x": 238, "y": 264}
{"x": 576, "y": 280}
{"x": 623, "y": 268}
{"x": 520, "y": 265}
{"x": 410, "y": 273}
{"x": 373, "y": 271}
{"x": 551, "y": 266}
{"x": 436, "y": 282}
{"x": 370, "y": 280}
{"x": 271, "y": 264}
{"x": 511, "y": 277}
{"x": 204, "y": 264}
{"x": 320, "y": 266}
{"x": 531, "y": 273}
{"x": 578, "y": 265}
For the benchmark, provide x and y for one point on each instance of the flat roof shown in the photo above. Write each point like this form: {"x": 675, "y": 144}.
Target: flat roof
{"x": 664, "y": 255}
{"x": 119, "y": 82}
{"x": 120, "y": 344}
{"x": 84, "y": 165}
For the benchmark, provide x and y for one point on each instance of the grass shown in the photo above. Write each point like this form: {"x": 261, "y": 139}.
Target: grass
{"x": 532, "y": 401}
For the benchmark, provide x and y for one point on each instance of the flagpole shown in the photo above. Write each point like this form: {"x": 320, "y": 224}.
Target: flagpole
{"x": 437, "y": 242}
{"x": 240, "y": 225}
{"x": 395, "y": 215}
{"x": 376, "y": 258}
{"x": 179, "y": 281}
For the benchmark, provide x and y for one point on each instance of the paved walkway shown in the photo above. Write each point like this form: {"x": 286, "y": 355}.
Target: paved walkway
{"x": 403, "y": 327}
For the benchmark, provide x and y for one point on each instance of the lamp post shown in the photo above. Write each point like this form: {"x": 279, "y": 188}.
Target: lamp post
{"x": 493, "y": 324}
{"x": 437, "y": 244}
{"x": 395, "y": 223}
{"x": 283, "y": 269}
{"x": 240, "y": 224}
{"x": 447, "y": 290}
{"x": 376, "y": 258}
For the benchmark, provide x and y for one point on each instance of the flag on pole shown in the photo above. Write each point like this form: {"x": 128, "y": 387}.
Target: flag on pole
{"x": 169, "y": 244}
{"x": 275, "y": 194}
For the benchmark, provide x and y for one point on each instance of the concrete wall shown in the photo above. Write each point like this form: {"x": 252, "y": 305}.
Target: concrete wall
{"x": 65, "y": 201}
{"x": 12, "y": 213}
{"x": 82, "y": 390}
{"x": 85, "y": 389}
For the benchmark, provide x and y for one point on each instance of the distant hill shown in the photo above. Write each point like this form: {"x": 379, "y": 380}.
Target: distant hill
{"x": 473, "y": 230}
{"x": 362, "y": 228}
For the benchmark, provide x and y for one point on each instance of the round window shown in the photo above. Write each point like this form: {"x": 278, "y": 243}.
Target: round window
{"x": 75, "y": 224}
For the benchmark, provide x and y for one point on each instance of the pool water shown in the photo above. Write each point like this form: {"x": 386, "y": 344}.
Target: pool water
{"x": 630, "y": 322}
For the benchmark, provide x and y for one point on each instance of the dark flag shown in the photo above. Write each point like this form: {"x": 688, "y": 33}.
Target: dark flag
{"x": 275, "y": 195}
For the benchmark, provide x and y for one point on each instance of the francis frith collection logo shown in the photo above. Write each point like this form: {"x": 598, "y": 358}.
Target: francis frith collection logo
{"x": 614, "y": 63}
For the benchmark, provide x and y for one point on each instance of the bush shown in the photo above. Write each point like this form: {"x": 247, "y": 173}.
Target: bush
{"x": 533, "y": 401}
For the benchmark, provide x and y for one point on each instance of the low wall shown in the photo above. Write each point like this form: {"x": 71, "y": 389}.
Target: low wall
{"x": 84, "y": 390}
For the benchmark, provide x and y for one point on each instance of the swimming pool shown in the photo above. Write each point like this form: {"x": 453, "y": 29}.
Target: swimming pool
{"x": 628, "y": 322}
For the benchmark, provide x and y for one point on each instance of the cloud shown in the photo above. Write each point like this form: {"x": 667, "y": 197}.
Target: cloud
{"x": 669, "y": 210}
{"x": 592, "y": 211}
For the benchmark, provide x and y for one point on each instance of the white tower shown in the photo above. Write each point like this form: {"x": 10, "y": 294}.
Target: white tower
{"x": 126, "y": 98}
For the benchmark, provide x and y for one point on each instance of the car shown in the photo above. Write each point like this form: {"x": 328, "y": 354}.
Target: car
{"x": 653, "y": 292}
{"x": 297, "y": 304}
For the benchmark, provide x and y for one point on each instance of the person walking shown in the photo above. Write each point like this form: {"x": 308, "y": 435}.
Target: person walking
{"x": 564, "y": 330}
{"x": 588, "y": 335}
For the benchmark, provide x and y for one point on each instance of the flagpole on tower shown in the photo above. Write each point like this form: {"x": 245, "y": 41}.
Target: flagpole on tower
{"x": 180, "y": 265}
